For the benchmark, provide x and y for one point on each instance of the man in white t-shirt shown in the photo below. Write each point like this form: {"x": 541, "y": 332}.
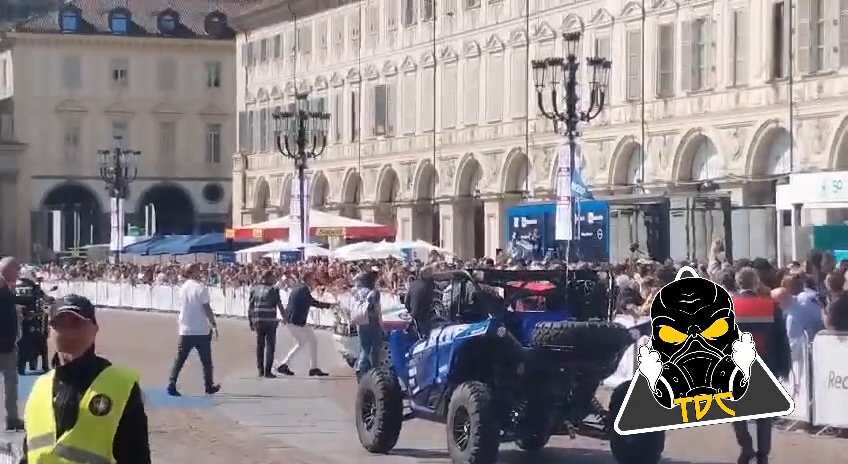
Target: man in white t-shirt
{"x": 197, "y": 326}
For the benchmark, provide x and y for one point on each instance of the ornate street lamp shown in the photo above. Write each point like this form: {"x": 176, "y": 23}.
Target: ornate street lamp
{"x": 553, "y": 74}
{"x": 118, "y": 168}
{"x": 301, "y": 135}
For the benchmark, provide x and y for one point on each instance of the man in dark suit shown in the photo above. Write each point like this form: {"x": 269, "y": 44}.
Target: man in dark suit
{"x": 297, "y": 311}
{"x": 10, "y": 333}
{"x": 419, "y": 300}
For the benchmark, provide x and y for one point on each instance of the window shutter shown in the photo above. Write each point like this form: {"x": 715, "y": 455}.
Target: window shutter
{"x": 427, "y": 89}
{"x": 409, "y": 109}
{"x": 472, "y": 91}
{"x": 711, "y": 66}
{"x": 843, "y": 33}
{"x": 448, "y": 91}
{"x": 494, "y": 89}
{"x": 803, "y": 28}
{"x": 380, "y": 110}
{"x": 634, "y": 64}
{"x": 391, "y": 109}
{"x": 686, "y": 56}
{"x": 518, "y": 86}
{"x": 741, "y": 47}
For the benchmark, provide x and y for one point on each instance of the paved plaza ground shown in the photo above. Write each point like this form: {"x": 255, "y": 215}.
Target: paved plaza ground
{"x": 307, "y": 421}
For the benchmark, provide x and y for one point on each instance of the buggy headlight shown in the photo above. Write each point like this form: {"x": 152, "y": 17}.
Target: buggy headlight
{"x": 501, "y": 331}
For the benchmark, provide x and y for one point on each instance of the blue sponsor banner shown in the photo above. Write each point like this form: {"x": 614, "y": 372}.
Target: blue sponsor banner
{"x": 292, "y": 256}
{"x": 228, "y": 257}
{"x": 531, "y": 234}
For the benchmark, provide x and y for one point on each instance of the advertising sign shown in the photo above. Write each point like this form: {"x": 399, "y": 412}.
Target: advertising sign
{"x": 830, "y": 380}
{"x": 593, "y": 227}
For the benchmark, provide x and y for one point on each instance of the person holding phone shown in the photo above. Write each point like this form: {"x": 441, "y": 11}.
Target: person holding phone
{"x": 197, "y": 329}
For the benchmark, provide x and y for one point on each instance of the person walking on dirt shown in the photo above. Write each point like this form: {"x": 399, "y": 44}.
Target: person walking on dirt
{"x": 370, "y": 328}
{"x": 197, "y": 329}
{"x": 263, "y": 306}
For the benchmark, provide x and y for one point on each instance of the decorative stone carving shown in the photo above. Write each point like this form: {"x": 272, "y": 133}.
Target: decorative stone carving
{"x": 408, "y": 178}
{"x": 491, "y": 166}
{"x": 820, "y": 128}
{"x": 369, "y": 182}
{"x": 336, "y": 180}
{"x": 251, "y": 190}
{"x": 447, "y": 168}
{"x": 734, "y": 143}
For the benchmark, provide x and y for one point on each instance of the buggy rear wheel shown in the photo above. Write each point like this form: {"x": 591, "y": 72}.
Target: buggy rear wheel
{"x": 644, "y": 448}
{"x": 473, "y": 428}
{"x": 379, "y": 411}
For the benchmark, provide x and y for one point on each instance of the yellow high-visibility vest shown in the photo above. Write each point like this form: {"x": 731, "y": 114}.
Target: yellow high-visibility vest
{"x": 90, "y": 441}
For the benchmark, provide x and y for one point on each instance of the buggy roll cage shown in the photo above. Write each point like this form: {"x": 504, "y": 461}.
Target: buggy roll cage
{"x": 589, "y": 291}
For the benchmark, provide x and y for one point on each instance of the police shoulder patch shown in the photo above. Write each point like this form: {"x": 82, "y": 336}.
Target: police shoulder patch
{"x": 100, "y": 405}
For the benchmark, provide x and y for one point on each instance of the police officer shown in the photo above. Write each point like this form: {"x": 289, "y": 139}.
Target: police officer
{"x": 760, "y": 316}
{"x": 33, "y": 339}
{"x": 263, "y": 307}
{"x": 85, "y": 410}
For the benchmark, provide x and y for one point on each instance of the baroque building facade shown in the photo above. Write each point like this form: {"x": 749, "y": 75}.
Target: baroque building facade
{"x": 88, "y": 76}
{"x": 435, "y": 128}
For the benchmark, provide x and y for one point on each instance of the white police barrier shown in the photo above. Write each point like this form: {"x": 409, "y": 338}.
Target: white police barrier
{"x": 830, "y": 379}
{"x": 233, "y": 302}
{"x": 798, "y": 383}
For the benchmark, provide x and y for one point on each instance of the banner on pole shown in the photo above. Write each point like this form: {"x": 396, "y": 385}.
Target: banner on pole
{"x": 296, "y": 234}
{"x": 564, "y": 228}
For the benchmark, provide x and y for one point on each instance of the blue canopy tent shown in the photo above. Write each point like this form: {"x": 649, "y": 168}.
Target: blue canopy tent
{"x": 217, "y": 242}
{"x": 143, "y": 247}
{"x": 172, "y": 245}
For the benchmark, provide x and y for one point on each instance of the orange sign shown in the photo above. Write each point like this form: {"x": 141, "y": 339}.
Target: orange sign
{"x": 257, "y": 233}
{"x": 230, "y": 233}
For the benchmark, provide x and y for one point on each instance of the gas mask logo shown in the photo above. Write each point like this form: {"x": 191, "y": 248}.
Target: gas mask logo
{"x": 699, "y": 367}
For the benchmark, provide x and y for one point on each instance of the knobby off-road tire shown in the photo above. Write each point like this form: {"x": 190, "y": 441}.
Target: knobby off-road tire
{"x": 644, "y": 448}
{"x": 379, "y": 411}
{"x": 580, "y": 333}
{"x": 473, "y": 428}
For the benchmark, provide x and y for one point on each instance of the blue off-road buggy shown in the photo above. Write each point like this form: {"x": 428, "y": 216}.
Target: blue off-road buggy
{"x": 512, "y": 356}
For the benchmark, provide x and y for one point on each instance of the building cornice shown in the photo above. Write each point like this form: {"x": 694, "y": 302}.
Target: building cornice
{"x": 284, "y": 11}
{"x": 27, "y": 38}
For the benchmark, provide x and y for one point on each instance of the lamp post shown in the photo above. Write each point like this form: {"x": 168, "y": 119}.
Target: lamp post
{"x": 301, "y": 135}
{"x": 552, "y": 74}
{"x": 118, "y": 168}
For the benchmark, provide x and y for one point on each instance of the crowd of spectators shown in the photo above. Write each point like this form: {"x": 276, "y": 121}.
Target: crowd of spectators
{"x": 808, "y": 292}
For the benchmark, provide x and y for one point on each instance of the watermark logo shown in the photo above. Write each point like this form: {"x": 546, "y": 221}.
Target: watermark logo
{"x": 699, "y": 368}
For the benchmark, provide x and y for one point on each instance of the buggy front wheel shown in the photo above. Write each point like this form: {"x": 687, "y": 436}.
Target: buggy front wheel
{"x": 473, "y": 429}
{"x": 379, "y": 411}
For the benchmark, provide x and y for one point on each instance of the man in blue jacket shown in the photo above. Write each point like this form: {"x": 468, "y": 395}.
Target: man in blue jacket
{"x": 300, "y": 301}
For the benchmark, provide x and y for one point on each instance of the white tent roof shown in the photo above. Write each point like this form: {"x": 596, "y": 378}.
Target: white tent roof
{"x": 278, "y": 246}
{"x": 316, "y": 219}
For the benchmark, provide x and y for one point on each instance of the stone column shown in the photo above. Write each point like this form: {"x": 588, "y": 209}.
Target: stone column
{"x": 404, "y": 215}
{"x": 493, "y": 224}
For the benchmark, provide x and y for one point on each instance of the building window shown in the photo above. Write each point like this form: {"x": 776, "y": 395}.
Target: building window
{"x": 428, "y": 97}
{"x": 665, "y": 61}
{"x": 634, "y": 65}
{"x": 71, "y": 140}
{"x": 263, "y": 130}
{"x": 168, "y": 22}
{"x": 354, "y": 29}
{"x": 470, "y": 4}
{"x": 518, "y": 86}
{"x": 391, "y": 16}
{"x": 817, "y": 36}
{"x": 695, "y": 54}
{"x": 278, "y": 46}
{"x": 337, "y": 115}
{"x": 739, "y": 48}
{"x": 321, "y": 34}
{"x": 120, "y": 72}
{"x": 410, "y": 16}
{"x": 263, "y": 50}
{"x": 354, "y": 115}
{"x": 448, "y": 92}
{"x": 472, "y": 91}
{"x": 410, "y": 96}
{"x": 167, "y": 140}
{"x": 71, "y": 72}
{"x": 213, "y": 74}
{"x": 778, "y": 41}
{"x": 213, "y": 143}
{"x": 242, "y": 132}
{"x": 602, "y": 49}
{"x": 167, "y": 74}
{"x": 427, "y": 8}
{"x": 304, "y": 39}
{"x": 250, "y": 133}
{"x": 120, "y": 134}
{"x": 69, "y": 20}
{"x": 119, "y": 21}
{"x": 843, "y": 33}
{"x": 383, "y": 106}
{"x": 494, "y": 88}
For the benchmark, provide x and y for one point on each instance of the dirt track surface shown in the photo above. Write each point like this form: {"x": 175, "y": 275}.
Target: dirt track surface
{"x": 224, "y": 433}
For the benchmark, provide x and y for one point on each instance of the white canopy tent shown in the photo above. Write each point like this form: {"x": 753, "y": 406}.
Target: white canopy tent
{"x": 274, "y": 248}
